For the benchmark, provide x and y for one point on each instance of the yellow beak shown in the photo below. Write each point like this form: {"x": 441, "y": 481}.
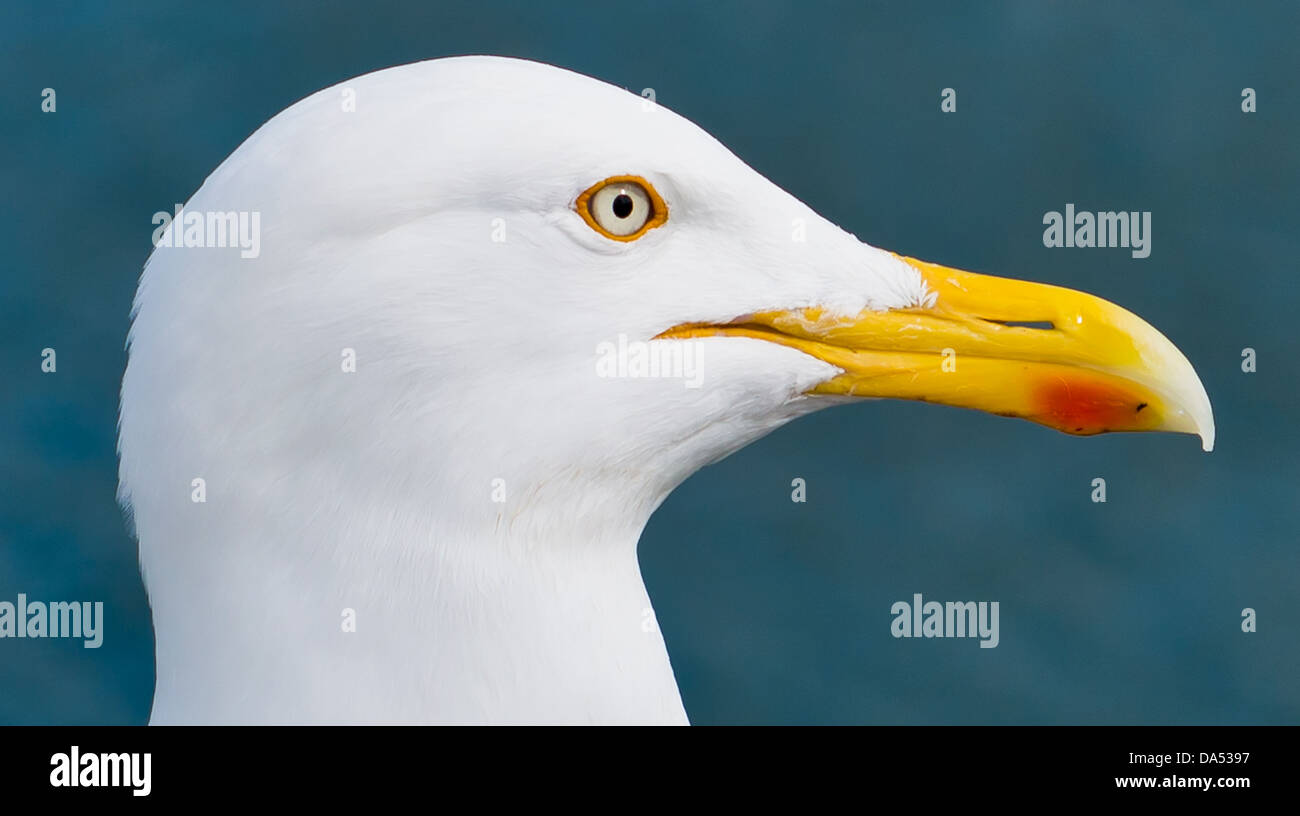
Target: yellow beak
{"x": 1083, "y": 365}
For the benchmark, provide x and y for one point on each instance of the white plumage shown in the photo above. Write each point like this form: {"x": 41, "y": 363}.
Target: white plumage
{"x": 373, "y": 491}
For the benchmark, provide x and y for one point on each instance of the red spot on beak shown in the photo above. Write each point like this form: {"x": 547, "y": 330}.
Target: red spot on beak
{"x": 1089, "y": 405}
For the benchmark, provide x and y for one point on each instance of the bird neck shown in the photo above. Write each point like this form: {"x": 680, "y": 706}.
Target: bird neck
{"x": 370, "y": 611}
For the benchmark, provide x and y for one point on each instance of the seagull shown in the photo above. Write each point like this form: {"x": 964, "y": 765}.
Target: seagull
{"x": 380, "y": 470}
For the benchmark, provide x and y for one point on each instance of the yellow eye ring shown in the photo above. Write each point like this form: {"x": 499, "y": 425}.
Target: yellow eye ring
{"x": 622, "y": 208}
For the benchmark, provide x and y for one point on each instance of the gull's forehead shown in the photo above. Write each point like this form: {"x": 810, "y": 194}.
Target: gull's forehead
{"x": 518, "y": 115}
{"x": 503, "y": 92}
{"x": 468, "y": 133}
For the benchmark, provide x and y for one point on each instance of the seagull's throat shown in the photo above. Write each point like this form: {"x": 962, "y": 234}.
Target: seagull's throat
{"x": 364, "y": 614}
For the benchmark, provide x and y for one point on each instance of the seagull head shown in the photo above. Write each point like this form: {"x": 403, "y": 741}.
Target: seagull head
{"x": 537, "y": 302}
{"x": 512, "y": 246}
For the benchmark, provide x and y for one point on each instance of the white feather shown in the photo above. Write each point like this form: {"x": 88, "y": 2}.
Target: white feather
{"x": 372, "y": 490}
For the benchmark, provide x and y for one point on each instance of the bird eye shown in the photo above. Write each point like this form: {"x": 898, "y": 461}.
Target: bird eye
{"x": 622, "y": 207}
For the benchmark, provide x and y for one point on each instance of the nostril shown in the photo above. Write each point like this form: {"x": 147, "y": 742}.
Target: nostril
{"x": 1026, "y": 324}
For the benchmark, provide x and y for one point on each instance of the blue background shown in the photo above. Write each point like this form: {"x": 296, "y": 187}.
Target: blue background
{"x": 774, "y": 612}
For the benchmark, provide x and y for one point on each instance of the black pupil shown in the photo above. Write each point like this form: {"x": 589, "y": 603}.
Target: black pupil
{"x": 622, "y": 205}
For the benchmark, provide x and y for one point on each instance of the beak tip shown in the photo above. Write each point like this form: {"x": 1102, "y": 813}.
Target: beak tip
{"x": 1204, "y": 417}
{"x": 1201, "y": 421}
{"x": 1207, "y": 437}
{"x": 1198, "y": 417}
